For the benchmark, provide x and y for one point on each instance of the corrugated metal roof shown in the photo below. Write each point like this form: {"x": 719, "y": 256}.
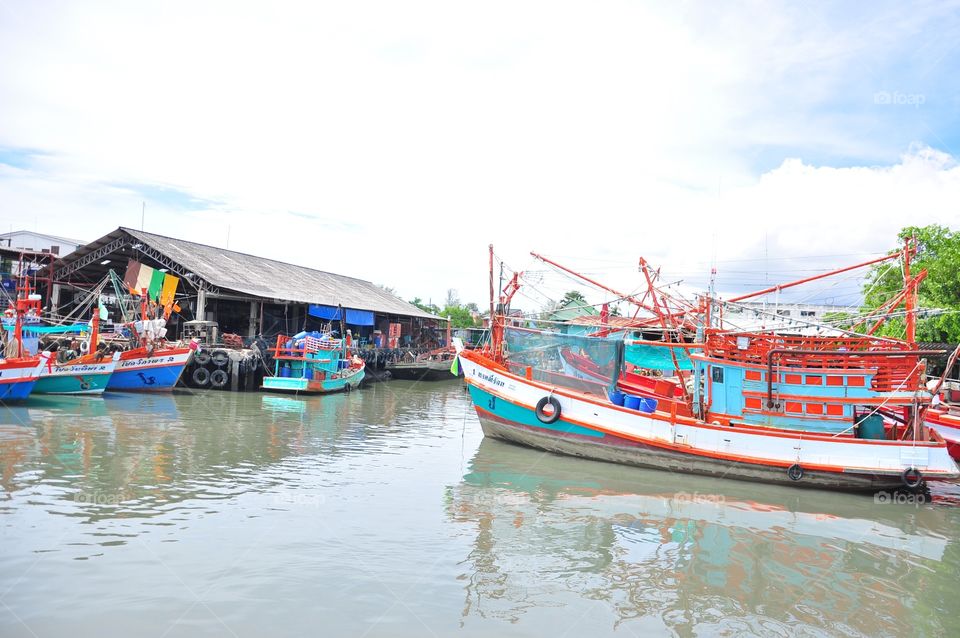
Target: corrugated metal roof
{"x": 271, "y": 279}
{"x": 66, "y": 240}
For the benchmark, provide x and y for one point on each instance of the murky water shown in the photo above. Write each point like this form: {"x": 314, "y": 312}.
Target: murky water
{"x": 385, "y": 513}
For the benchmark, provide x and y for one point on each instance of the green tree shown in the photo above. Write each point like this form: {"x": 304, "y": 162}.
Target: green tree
{"x": 574, "y": 295}
{"x": 938, "y": 251}
{"x": 418, "y": 302}
{"x": 460, "y": 316}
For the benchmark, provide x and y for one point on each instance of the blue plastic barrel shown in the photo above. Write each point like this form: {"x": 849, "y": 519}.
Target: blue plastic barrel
{"x": 647, "y": 405}
{"x": 871, "y": 427}
{"x": 285, "y": 371}
{"x": 631, "y": 402}
{"x": 617, "y": 397}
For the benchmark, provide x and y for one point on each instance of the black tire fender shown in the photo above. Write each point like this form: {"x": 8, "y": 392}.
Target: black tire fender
{"x": 552, "y": 416}
{"x": 202, "y": 357}
{"x": 219, "y": 378}
{"x": 201, "y": 377}
{"x": 220, "y": 358}
{"x": 912, "y": 478}
{"x": 795, "y": 472}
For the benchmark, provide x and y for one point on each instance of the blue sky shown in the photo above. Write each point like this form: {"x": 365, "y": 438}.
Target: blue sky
{"x": 400, "y": 137}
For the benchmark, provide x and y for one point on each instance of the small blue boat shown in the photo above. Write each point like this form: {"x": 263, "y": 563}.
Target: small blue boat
{"x": 313, "y": 364}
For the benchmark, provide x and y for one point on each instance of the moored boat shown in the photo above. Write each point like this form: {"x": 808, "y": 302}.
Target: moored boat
{"x": 18, "y": 377}
{"x": 947, "y": 425}
{"x": 147, "y": 369}
{"x": 313, "y": 365}
{"x": 431, "y": 366}
{"x": 88, "y": 374}
{"x": 837, "y": 413}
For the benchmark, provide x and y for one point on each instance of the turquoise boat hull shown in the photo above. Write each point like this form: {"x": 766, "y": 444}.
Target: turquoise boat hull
{"x": 79, "y": 378}
{"x": 300, "y": 385}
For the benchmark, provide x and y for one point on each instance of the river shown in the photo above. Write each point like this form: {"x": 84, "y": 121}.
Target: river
{"x": 384, "y": 512}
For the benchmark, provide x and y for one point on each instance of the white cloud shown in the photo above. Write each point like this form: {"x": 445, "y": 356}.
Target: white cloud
{"x": 395, "y": 141}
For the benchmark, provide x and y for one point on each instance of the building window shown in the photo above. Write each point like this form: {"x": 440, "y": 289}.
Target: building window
{"x": 808, "y": 313}
{"x": 783, "y": 313}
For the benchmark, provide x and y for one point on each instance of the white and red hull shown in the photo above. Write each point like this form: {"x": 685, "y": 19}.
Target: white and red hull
{"x": 591, "y": 426}
{"x": 18, "y": 377}
{"x": 947, "y": 425}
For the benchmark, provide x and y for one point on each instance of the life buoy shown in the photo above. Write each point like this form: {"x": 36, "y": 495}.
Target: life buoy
{"x": 912, "y": 477}
{"x": 220, "y": 358}
{"x": 201, "y": 377}
{"x": 795, "y": 472}
{"x": 202, "y": 357}
{"x": 219, "y": 378}
{"x": 84, "y": 347}
{"x": 543, "y": 415}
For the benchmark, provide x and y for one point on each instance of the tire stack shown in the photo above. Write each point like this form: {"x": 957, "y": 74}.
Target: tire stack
{"x": 210, "y": 369}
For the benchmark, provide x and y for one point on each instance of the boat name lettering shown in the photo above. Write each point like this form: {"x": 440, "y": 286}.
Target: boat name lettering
{"x": 146, "y": 362}
{"x": 75, "y": 369}
{"x": 489, "y": 378}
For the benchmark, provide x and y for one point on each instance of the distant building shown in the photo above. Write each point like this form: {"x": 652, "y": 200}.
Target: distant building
{"x": 38, "y": 242}
{"x": 801, "y": 318}
{"x": 570, "y": 309}
{"x": 246, "y": 294}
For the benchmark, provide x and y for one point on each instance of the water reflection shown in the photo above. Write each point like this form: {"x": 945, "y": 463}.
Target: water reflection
{"x": 749, "y": 558}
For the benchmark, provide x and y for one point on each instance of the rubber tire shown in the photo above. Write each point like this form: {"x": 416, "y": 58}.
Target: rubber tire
{"x": 219, "y": 378}
{"x": 202, "y": 357}
{"x": 220, "y": 358}
{"x": 795, "y": 472}
{"x": 543, "y": 416}
{"x": 906, "y": 480}
{"x": 201, "y": 377}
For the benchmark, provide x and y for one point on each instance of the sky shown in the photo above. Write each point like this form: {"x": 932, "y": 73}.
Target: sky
{"x": 396, "y": 141}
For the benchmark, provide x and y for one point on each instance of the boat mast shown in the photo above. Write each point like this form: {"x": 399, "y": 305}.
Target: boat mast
{"x": 791, "y": 284}
{"x": 911, "y": 288}
{"x": 637, "y": 302}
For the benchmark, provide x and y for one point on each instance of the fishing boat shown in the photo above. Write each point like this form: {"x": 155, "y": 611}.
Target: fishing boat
{"x": 946, "y": 422}
{"x": 19, "y": 371}
{"x": 150, "y": 368}
{"x": 313, "y": 364}
{"x": 430, "y": 366}
{"x": 87, "y": 374}
{"x": 150, "y": 363}
{"x": 18, "y": 377}
{"x": 839, "y": 413}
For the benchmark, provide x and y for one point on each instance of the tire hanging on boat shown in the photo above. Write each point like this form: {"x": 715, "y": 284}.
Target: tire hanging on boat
{"x": 542, "y": 415}
{"x": 202, "y": 357}
{"x": 912, "y": 477}
{"x": 201, "y": 377}
{"x": 219, "y": 378}
{"x": 220, "y": 358}
{"x": 795, "y": 472}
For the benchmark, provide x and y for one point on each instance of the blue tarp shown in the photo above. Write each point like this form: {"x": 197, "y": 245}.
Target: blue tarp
{"x": 332, "y": 313}
{"x": 51, "y": 330}
{"x": 656, "y": 357}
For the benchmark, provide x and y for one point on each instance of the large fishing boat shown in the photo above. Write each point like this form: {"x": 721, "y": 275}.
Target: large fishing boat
{"x": 88, "y": 373}
{"x": 148, "y": 362}
{"x": 834, "y": 412}
{"x": 19, "y": 371}
{"x": 313, "y": 364}
{"x": 153, "y": 365}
